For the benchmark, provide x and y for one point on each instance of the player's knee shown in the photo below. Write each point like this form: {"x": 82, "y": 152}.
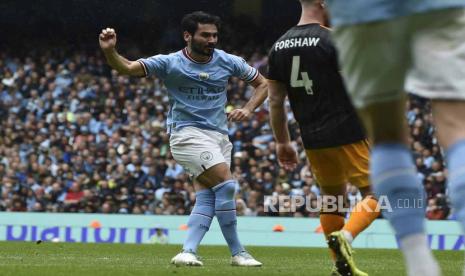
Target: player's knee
{"x": 225, "y": 190}
{"x": 224, "y": 195}
{"x": 215, "y": 175}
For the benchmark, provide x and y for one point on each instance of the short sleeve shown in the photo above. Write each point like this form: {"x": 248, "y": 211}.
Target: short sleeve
{"x": 242, "y": 70}
{"x": 156, "y": 65}
{"x": 273, "y": 72}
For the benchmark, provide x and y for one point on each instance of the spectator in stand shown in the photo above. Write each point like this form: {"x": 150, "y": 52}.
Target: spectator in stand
{"x": 64, "y": 115}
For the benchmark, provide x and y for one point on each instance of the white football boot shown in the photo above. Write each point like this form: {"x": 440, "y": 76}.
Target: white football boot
{"x": 187, "y": 259}
{"x": 244, "y": 259}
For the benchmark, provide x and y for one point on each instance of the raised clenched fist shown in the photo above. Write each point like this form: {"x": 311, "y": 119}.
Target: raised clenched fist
{"x": 107, "y": 39}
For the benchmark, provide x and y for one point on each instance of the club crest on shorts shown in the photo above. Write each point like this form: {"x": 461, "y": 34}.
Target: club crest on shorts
{"x": 204, "y": 76}
{"x": 206, "y": 156}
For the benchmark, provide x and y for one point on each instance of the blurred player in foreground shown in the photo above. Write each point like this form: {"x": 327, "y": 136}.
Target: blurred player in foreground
{"x": 418, "y": 46}
{"x": 196, "y": 78}
{"x": 303, "y": 66}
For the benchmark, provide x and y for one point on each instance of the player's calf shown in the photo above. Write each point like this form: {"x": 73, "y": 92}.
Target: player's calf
{"x": 200, "y": 219}
{"x": 225, "y": 210}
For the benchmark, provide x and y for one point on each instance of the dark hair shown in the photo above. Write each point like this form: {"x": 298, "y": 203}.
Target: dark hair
{"x": 190, "y": 22}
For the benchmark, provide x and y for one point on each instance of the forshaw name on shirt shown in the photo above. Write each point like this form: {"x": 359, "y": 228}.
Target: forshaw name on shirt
{"x": 296, "y": 42}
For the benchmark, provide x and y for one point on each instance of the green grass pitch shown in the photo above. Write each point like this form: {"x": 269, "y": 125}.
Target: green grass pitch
{"x": 28, "y": 258}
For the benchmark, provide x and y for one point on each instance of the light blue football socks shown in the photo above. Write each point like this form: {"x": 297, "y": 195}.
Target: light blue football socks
{"x": 225, "y": 210}
{"x": 217, "y": 201}
{"x": 394, "y": 179}
{"x": 200, "y": 219}
{"x": 393, "y": 175}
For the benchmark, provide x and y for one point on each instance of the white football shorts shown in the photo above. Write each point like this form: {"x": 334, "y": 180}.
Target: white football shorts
{"x": 196, "y": 150}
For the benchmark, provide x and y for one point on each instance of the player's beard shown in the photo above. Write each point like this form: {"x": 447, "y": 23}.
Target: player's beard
{"x": 204, "y": 50}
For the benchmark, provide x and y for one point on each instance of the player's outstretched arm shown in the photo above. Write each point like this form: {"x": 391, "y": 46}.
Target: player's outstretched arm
{"x": 107, "y": 41}
{"x": 259, "y": 96}
{"x": 287, "y": 156}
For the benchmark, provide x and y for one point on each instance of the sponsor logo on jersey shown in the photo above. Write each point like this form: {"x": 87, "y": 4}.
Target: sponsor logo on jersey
{"x": 202, "y": 90}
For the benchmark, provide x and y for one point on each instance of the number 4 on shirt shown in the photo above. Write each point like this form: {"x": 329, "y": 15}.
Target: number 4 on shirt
{"x": 305, "y": 82}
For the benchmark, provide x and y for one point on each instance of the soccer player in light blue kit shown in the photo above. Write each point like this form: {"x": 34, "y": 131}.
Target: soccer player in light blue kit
{"x": 386, "y": 47}
{"x": 196, "y": 78}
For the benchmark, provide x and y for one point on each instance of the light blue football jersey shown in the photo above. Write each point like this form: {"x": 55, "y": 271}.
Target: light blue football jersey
{"x": 347, "y": 12}
{"x": 197, "y": 91}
